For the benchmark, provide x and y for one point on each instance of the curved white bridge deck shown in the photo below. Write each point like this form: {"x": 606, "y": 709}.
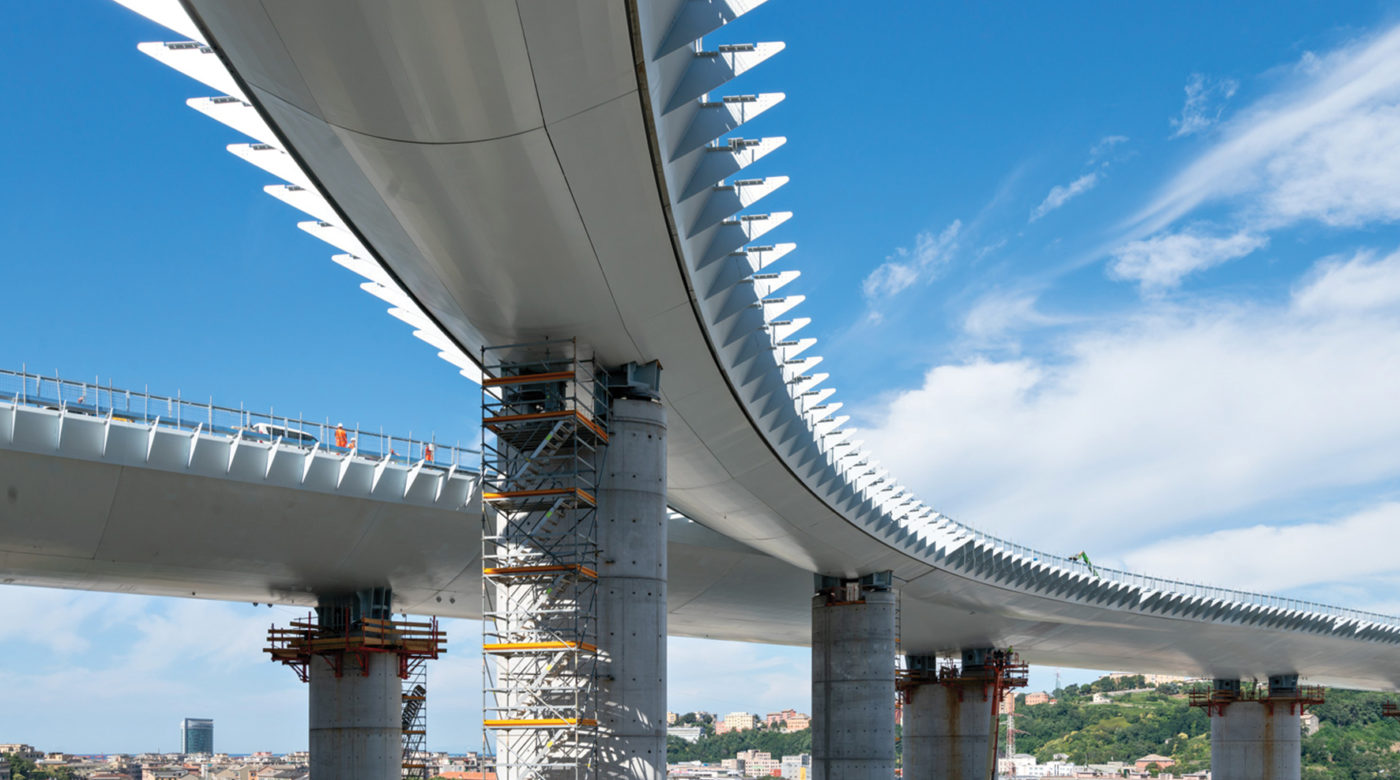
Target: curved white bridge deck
{"x": 503, "y": 171}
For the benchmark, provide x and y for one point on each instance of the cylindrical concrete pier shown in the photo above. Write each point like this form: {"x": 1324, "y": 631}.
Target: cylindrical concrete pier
{"x": 632, "y": 594}
{"x": 948, "y": 732}
{"x": 1258, "y": 740}
{"x": 853, "y": 686}
{"x": 356, "y": 730}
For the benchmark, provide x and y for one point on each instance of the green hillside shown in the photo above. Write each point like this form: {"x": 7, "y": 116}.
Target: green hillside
{"x": 1353, "y": 740}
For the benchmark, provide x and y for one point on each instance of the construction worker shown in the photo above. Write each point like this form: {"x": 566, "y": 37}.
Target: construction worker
{"x": 341, "y": 440}
{"x": 428, "y": 452}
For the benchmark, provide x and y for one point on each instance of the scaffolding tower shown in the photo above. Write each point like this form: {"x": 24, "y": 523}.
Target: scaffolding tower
{"x": 544, "y": 411}
{"x": 415, "y": 721}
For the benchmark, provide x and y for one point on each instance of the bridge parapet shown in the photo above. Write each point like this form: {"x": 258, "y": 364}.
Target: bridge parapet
{"x": 88, "y": 421}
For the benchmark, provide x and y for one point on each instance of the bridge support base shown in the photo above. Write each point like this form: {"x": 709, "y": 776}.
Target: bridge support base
{"x": 632, "y": 594}
{"x": 356, "y": 731}
{"x": 853, "y": 647}
{"x": 1253, "y": 736}
{"x": 950, "y": 715}
{"x": 367, "y": 684}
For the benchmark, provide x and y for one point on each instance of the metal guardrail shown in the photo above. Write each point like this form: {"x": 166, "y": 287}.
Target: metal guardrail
{"x": 95, "y": 399}
{"x": 1169, "y": 586}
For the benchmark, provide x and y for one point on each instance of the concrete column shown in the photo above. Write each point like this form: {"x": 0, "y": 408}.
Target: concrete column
{"x": 1258, "y": 740}
{"x": 853, "y": 633}
{"x": 355, "y": 720}
{"x": 949, "y": 725}
{"x": 632, "y": 593}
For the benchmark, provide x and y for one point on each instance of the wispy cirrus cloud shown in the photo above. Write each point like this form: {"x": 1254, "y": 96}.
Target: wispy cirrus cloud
{"x": 998, "y": 314}
{"x": 1100, "y": 158}
{"x": 1061, "y": 194}
{"x": 1325, "y": 148}
{"x": 1205, "y": 101}
{"x": 907, "y": 266}
{"x": 1162, "y": 261}
{"x": 1105, "y": 145}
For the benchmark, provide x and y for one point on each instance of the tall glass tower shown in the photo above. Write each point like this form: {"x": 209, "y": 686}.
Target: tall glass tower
{"x": 197, "y": 735}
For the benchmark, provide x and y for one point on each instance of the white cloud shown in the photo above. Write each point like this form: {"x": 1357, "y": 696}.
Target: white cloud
{"x": 997, "y": 314}
{"x": 140, "y": 664}
{"x": 1106, "y": 145}
{"x": 1324, "y": 149}
{"x": 907, "y": 266}
{"x": 1270, "y": 558}
{"x": 1161, "y": 261}
{"x": 1061, "y": 194}
{"x": 1204, "y": 103}
{"x": 716, "y": 676}
{"x": 57, "y": 620}
{"x": 1166, "y": 419}
{"x": 1360, "y": 284}
{"x": 1342, "y": 173}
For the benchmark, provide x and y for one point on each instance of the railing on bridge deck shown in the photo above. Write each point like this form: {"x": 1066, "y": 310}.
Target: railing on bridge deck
{"x": 1149, "y": 583}
{"x": 97, "y": 400}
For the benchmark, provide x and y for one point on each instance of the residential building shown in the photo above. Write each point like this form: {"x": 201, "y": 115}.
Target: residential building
{"x": 797, "y": 722}
{"x": 1148, "y": 760}
{"x": 797, "y": 767}
{"x": 775, "y": 718}
{"x": 4, "y": 768}
{"x": 759, "y": 763}
{"x": 1007, "y": 703}
{"x": 26, "y": 752}
{"x": 788, "y": 720}
{"x": 1039, "y": 697}
{"x": 1151, "y": 679}
{"x": 671, "y": 718}
{"x": 197, "y": 736}
{"x": 687, "y": 733}
{"x": 737, "y": 721}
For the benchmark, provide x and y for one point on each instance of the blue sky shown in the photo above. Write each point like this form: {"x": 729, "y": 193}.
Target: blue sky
{"x": 1111, "y": 277}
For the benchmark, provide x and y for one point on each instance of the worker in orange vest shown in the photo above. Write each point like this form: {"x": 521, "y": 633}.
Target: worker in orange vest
{"x": 428, "y": 452}
{"x": 340, "y": 439}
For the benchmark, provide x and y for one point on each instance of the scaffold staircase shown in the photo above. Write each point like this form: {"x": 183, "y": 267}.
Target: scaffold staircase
{"x": 415, "y": 723}
{"x": 543, "y": 413}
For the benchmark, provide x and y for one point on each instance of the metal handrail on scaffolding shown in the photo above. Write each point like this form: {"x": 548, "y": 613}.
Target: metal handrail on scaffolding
{"x": 414, "y": 697}
{"x": 544, "y": 412}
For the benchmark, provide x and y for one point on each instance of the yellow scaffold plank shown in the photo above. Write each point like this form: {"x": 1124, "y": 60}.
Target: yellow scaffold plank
{"x": 493, "y": 422}
{"x": 507, "y": 495}
{"x": 514, "y": 647}
{"x": 518, "y": 379}
{"x": 511, "y": 571}
{"x": 538, "y": 722}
